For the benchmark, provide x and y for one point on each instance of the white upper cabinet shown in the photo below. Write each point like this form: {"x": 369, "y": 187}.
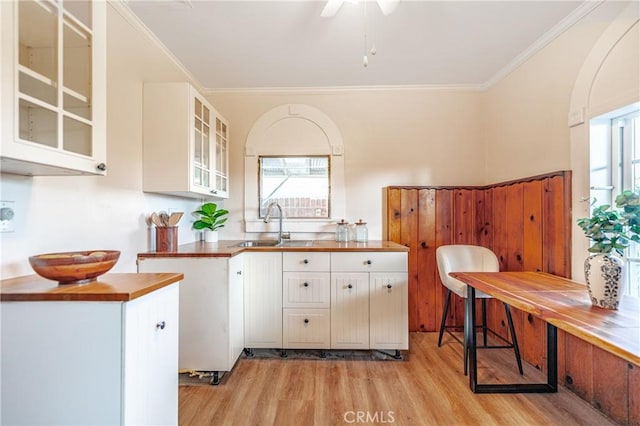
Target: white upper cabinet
{"x": 53, "y": 77}
{"x": 185, "y": 143}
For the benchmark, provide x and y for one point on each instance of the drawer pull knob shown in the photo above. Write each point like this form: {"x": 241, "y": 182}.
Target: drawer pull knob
{"x": 306, "y": 261}
{"x": 389, "y": 286}
{"x": 350, "y": 286}
{"x": 160, "y": 325}
{"x": 306, "y": 320}
{"x": 368, "y": 262}
{"x": 306, "y": 284}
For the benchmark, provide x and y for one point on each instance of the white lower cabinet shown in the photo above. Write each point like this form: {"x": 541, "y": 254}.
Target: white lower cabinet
{"x": 350, "y": 310}
{"x": 211, "y": 310}
{"x": 306, "y": 317}
{"x": 262, "y": 300}
{"x": 326, "y": 300}
{"x": 305, "y": 328}
{"x": 116, "y": 361}
{"x": 388, "y": 310}
{"x": 369, "y": 300}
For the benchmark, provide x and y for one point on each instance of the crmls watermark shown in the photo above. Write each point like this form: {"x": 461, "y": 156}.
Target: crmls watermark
{"x": 369, "y": 417}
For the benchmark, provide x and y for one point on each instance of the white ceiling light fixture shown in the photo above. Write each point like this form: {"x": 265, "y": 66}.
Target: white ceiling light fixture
{"x": 332, "y": 7}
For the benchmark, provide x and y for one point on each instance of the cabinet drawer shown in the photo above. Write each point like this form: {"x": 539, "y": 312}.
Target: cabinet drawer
{"x": 369, "y": 261}
{"x": 306, "y": 328}
{"x": 305, "y": 290}
{"x": 305, "y": 261}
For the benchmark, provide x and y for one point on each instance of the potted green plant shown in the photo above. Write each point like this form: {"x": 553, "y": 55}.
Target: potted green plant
{"x": 211, "y": 219}
{"x": 611, "y": 229}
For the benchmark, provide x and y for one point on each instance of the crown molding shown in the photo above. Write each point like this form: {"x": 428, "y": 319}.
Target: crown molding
{"x": 342, "y": 89}
{"x": 570, "y": 20}
{"x": 123, "y": 9}
{"x": 583, "y": 10}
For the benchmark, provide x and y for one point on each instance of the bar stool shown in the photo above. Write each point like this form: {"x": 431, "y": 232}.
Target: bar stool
{"x": 469, "y": 258}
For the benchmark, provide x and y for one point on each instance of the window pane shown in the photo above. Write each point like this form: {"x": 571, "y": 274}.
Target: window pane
{"x": 299, "y": 184}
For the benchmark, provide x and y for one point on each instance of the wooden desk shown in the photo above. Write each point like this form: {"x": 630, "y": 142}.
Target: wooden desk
{"x": 563, "y": 304}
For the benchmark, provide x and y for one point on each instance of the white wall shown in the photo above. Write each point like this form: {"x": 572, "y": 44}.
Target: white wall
{"x": 391, "y": 137}
{"x": 88, "y": 213}
{"x": 526, "y": 115}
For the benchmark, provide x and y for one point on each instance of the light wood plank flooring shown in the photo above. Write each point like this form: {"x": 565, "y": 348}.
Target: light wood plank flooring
{"x": 428, "y": 388}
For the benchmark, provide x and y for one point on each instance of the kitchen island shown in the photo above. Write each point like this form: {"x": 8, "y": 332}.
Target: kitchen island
{"x": 103, "y": 352}
{"x": 320, "y": 295}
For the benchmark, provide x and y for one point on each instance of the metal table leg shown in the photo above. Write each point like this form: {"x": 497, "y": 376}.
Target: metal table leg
{"x": 470, "y": 338}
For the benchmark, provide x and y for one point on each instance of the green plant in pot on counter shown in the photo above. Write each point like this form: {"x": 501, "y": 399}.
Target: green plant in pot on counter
{"x": 611, "y": 229}
{"x": 211, "y": 219}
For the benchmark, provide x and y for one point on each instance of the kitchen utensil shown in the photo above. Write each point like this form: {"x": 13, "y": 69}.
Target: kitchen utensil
{"x": 156, "y": 219}
{"x": 75, "y": 267}
{"x": 175, "y": 218}
{"x": 164, "y": 218}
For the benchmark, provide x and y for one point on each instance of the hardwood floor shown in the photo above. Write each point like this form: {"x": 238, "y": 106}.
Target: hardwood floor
{"x": 427, "y": 388}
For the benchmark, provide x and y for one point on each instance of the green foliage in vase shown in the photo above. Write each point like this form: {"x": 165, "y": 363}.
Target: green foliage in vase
{"x": 613, "y": 229}
{"x": 211, "y": 217}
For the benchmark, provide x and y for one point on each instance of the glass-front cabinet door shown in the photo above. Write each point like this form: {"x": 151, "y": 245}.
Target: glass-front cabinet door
{"x": 58, "y": 86}
{"x": 202, "y": 160}
{"x": 221, "y": 184}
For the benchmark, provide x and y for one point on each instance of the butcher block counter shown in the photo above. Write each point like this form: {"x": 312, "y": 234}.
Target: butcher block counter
{"x": 229, "y": 248}
{"x": 108, "y": 287}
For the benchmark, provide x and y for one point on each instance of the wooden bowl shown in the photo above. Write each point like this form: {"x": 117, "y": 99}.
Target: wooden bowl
{"x": 75, "y": 267}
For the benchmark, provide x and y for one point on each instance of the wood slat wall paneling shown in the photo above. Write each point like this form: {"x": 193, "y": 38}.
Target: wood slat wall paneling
{"x": 527, "y": 223}
{"x": 556, "y": 225}
{"x": 427, "y": 295}
{"x": 409, "y": 238}
{"x": 444, "y": 235}
{"x": 610, "y": 380}
{"x": 532, "y": 226}
{"x": 634, "y": 395}
{"x": 578, "y": 367}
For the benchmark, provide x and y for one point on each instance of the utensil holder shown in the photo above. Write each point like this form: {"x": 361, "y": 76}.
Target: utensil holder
{"x": 166, "y": 238}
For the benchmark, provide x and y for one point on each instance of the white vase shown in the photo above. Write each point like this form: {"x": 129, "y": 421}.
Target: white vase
{"x": 210, "y": 236}
{"x": 604, "y": 276}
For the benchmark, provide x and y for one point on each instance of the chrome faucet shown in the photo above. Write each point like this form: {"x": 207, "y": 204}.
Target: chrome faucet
{"x": 268, "y": 216}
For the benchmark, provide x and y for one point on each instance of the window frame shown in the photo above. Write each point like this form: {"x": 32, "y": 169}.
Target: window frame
{"x": 263, "y": 202}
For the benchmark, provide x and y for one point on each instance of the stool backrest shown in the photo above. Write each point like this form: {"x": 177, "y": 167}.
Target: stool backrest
{"x": 464, "y": 258}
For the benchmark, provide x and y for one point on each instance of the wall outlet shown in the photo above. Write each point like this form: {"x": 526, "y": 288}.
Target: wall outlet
{"x": 7, "y": 216}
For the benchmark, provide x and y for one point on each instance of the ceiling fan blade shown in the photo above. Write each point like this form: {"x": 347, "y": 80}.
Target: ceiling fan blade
{"x": 331, "y": 8}
{"x": 388, "y": 6}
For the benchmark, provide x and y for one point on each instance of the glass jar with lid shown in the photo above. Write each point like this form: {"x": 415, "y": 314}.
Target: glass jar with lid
{"x": 342, "y": 231}
{"x": 361, "y": 232}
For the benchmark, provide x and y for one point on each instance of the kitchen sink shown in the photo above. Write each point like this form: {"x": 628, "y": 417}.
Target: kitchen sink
{"x": 274, "y": 243}
{"x": 296, "y": 243}
{"x": 258, "y": 243}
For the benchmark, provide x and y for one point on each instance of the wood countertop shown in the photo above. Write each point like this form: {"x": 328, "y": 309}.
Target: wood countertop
{"x": 566, "y": 305}
{"x": 229, "y": 248}
{"x": 108, "y": 288}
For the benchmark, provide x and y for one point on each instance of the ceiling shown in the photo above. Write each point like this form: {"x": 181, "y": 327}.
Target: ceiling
{"x": 286, "y": 44}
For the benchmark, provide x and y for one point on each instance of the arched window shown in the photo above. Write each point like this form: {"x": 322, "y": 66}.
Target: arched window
{"x": 288, "y": 148}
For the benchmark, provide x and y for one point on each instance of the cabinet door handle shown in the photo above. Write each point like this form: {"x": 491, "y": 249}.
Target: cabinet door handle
{"x": 213, "y": 191}
{"x": 239, "y": 272}
{"x": 306, "y": 284}
{"x": 368, "y": 262}
{"x": 102, "y": 167}
{"x": 306, "y": 261}
{"x": 350, "y": 286}
{"x": 160, "y": 325}
{"x": 389, "y": 286}
{"x": 306, "y": 320}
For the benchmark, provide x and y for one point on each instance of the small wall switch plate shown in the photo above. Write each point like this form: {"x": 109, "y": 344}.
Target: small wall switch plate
{"x": 7, "y": 215}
